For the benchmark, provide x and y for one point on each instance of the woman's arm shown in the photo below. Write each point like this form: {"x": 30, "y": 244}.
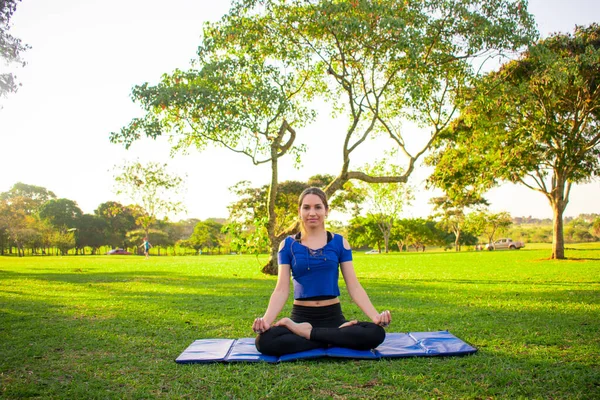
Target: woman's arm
{"x": 357, "y": 292}
{"x": 276, "y": 302}
{"x": 359, "y": 295}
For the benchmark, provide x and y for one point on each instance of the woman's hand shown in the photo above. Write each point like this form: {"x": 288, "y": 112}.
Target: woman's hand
{"x": 383, "y": 319}
{"x": 260, "y": 325}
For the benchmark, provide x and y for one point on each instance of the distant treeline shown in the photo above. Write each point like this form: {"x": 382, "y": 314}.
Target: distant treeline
{"x": 590, "y": 218}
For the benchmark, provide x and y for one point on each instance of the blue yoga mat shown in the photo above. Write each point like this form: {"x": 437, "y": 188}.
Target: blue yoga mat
{"x": 395, "y": 345}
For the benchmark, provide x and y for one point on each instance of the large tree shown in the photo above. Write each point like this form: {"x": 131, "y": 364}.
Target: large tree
{"x": 238, "y": 99}
{"x": 10, "y": 46}
{"x": 534, "y": 122}
{"x": 31, "y": 197}
{"x": 375, "y": 62}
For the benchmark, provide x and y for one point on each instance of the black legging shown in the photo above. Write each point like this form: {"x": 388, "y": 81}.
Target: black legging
{"x": 325, "y": 321}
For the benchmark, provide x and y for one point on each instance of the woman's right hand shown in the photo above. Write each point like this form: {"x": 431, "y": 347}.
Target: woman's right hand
{"x": 384, "y": 319}
{"x": 260, "y": 325}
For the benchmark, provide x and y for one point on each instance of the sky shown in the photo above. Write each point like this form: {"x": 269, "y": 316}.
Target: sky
{"x": 85, "y": 57}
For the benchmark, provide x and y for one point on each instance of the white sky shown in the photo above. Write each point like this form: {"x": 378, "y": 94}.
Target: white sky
{"x": 86, "y": 56}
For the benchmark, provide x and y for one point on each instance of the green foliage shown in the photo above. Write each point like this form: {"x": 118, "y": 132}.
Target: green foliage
{"x": 207, "y": 235}
{"x": 260, "y": 65}
{"x": 91, "y": 232}
{"x": 451, "y": 212}
{"x": 10, "y": 46}
{"x": 62, "y": 240}
{"x": 29, "y": 197}
{"x": 119, "y": 220}
{"x": 418, "y": 233}
{"x": 596, "y": 227}
{"x": 364, "y": 231}
{"x": 533, "y": 122}
{"x": 485, "y": 223}
{"x": 62, "y": 214}
{"x": 578, "y": 231}
{"x": 385, "y": 201}
{"x": 151, "y": 188}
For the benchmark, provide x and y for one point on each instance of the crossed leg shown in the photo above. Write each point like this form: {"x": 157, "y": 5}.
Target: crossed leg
{"x": 290, "y": 337}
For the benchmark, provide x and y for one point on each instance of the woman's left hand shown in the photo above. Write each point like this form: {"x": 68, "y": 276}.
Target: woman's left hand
{"x": 384, "y": 319}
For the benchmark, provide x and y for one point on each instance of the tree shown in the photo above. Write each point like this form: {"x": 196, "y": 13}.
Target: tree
{"x": 151, "y": 188}
{"x": 418, "y": 233}
{"x": 18, "y": 206}
{"x": 364, "y": 231}
{"x": 385, "y": 60}
{"x": 119, "y": 220}
{"x": 485, "y": 223}
{"x": 533, "y": 122}
{"x": 596, "y": 227}
{"x": 451, "y": 211}
{"x": 385, "y": 201}
{"x": 62, "y": 214}
{"x": 91, "y": 232}
{"x": 236, "y": 100}
{"x": 16, "y": 224}
{"x": 207, "y": 234}
{"x": 30, "y": 197}
{"x": 578, "y": 231}
{"x": 10, "y": 46}
{"x": 63, "y": 241}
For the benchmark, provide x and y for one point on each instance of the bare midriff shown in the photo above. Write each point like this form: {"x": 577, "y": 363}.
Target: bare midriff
{"x": 316, "y": 303}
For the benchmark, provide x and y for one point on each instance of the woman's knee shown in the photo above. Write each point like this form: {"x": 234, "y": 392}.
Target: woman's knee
{"x": 264, "y": 344}
{"x": 375, "y": 333}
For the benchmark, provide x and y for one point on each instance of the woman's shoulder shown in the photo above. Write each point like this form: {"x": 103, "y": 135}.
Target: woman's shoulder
{"x": 341, "y": 241}
{"x": 287, "y": 242}
{"x": 337, "y": 236}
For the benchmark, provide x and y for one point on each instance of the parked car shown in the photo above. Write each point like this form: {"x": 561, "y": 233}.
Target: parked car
{"x": 118, "y": 252}
{"x": 372, "y": 251}
{"x": 504, "y": 244}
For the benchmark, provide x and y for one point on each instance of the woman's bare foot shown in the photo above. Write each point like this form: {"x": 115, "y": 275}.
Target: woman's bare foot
{"x": 302, "y": 329}
{"x": 349, "y": 323}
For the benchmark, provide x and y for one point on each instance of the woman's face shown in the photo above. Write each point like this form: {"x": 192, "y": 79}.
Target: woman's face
{"x": 312, "y": 211}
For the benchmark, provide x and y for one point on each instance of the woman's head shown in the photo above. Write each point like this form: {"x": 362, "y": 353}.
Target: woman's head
{"x": 312, "y": 208}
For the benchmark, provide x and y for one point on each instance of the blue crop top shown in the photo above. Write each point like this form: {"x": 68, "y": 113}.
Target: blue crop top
{"x": 314, "y": 272}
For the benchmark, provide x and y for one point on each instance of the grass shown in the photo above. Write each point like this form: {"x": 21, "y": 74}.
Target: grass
{"x": 111, "y": 326}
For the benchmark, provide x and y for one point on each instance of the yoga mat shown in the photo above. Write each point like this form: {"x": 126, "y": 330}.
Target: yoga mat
{"x": 395, "y": 345}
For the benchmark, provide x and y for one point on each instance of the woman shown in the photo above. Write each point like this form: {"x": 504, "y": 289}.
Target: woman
{"x": 312, "y": 258}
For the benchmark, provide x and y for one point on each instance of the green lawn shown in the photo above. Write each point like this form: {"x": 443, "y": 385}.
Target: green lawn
{"x": 111, "y": 327}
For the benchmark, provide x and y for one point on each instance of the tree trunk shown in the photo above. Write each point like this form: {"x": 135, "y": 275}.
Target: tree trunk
{"x": 559, "y": 198}
{"x": 271, "y": 267}
{"x": 558, "y": 239}
{"x": 457, "y": 241}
